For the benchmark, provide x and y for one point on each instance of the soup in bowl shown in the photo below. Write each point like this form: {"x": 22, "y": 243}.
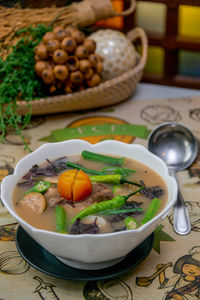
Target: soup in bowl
{"x": 89, "y": 205}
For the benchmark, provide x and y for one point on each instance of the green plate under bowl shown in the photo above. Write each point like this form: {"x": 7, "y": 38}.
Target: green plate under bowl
{"x": 45, "y": 262}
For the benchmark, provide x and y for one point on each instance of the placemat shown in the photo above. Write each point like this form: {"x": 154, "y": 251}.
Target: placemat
{"x": 180, "y": 255}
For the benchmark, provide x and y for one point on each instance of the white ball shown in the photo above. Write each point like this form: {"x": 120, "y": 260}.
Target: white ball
{"x": 117, "y": 50}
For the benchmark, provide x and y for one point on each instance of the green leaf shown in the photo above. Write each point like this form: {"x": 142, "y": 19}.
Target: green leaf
{"x": 99, "y": 129}
{"x": 160, "y": 235}
{"x": 147, "y": 133}
{"x": 19, "y": 81}
{"x": 49, "y": 139}
{"x": 160, "y": 227}
{"x": 163, "y": 236}
{"x": 156, "y": 245}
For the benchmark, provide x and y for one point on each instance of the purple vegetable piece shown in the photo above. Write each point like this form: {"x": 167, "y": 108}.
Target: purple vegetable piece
{"x": 152, "y": 192}
{"x": 131, "y": 204}
{"x": 80, "y": 228}
{"x": 127, "y": 205}
{"x": 37, "y": 173}
{"x": 58, "y": 165}
{"x": 120, "y": 217}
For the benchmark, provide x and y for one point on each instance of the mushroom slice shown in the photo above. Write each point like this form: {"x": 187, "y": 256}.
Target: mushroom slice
{"x": 35, "y": 201}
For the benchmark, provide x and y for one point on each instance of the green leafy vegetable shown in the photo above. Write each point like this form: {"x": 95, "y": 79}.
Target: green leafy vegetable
{"x": 117, "y": 170}
{"x": 86, "y": 170}
{"x": 121, "y": 211}
{"x": 18, "y": 81}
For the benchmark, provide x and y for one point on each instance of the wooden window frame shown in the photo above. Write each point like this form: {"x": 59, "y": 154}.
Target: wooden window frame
{"x": 171, "y": 44}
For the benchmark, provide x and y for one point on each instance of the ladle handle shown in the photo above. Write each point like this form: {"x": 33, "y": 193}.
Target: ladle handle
{"x": 182, "y": 224}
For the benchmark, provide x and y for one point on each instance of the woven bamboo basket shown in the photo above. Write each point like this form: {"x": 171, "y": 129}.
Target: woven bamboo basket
{"x": 107, "y": 93}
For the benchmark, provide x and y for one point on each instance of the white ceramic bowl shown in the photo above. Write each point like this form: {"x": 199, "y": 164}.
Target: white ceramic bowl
{"x": 89, "y": 251}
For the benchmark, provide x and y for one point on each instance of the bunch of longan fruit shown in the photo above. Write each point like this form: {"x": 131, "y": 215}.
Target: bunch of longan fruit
{"x": 66, "y": 60}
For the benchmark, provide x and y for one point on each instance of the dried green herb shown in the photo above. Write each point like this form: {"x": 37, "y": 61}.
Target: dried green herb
{"x": 18, "y": 81}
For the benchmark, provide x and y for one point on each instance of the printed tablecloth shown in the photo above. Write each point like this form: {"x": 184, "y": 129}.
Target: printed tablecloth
{"x": 178, "y": 256}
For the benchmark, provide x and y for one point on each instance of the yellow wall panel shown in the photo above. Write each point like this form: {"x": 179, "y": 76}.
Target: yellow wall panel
{"x": 155, "y": 59}
{"x": 189, "y": 21}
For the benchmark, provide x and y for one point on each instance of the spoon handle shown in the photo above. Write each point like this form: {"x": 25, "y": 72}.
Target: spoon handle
{"x": 182, "y": 224}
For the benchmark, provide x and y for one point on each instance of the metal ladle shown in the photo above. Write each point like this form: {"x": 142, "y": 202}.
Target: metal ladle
{"x": 177, "y": 147}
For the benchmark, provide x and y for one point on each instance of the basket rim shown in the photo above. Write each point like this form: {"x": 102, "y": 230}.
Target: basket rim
{"x": 132, "y": 35}
{"x": 107, "y": 84}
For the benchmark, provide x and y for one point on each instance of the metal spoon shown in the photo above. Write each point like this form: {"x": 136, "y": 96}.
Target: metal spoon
{"x": 176, "y": 145}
